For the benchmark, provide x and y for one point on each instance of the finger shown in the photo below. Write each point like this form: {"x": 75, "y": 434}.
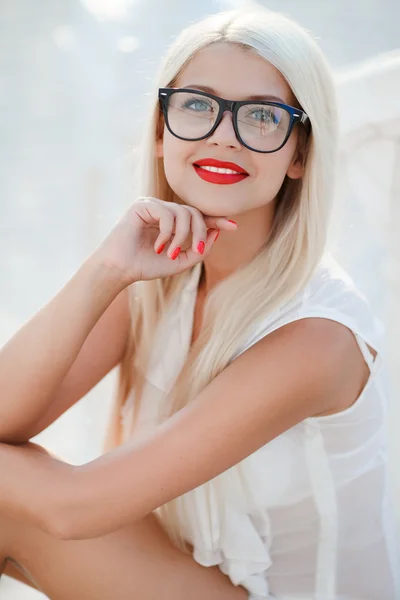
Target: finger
{"x": 182, "y": 230}
{"x": 156, "y": 215}
{"x": 199, "y": 231}
{"x": 212, "y": 236}
{"x": 166, "y": 226}
{"x": 188, "y": 258}
{"x": 220, "y": 223}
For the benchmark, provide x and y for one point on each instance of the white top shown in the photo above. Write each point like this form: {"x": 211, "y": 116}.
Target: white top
{"x": 307, "y": 515}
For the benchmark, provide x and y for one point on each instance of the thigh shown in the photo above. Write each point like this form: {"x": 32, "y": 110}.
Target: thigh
{"x": 137, "y": 561}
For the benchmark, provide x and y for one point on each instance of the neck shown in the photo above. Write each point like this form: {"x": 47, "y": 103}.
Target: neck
{"x": 234, "y": 250}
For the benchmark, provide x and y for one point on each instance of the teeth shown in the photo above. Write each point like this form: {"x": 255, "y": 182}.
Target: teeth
{"x": 216, "y": 170}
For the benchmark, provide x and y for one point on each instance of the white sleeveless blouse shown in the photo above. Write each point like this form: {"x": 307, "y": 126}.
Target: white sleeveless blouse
{"x": 307, "y": 516}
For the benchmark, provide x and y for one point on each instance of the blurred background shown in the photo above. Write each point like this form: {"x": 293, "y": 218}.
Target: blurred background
{"x": 74, "y": 78}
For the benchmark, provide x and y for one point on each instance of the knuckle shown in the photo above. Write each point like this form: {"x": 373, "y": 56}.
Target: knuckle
{"x": 198, "y": 217}
{"x": 145, "y": 200}
{"x": 200, "y": 229}
{"x": 195, "y": 211}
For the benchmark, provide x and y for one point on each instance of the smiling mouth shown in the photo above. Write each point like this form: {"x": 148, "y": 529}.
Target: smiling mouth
{"x": 220, "y": 176}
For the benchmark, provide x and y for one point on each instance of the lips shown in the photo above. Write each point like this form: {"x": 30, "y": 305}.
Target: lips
{"x": 219, "y": 178}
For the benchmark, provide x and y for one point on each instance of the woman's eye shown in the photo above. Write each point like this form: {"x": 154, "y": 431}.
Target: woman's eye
{"x": 197, "y": 105}
{"x": 264, "y": 116}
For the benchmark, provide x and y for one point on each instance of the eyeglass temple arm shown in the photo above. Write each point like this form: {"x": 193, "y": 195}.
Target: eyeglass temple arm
{"x": 303, "y": 118}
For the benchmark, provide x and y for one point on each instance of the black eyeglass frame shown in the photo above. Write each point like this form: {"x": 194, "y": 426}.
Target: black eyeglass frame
{"x": 296, "y": 115}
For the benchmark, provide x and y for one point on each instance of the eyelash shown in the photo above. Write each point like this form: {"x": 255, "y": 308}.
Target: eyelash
{"x": 194, "y": 100}
{"x": 270, "y": 114}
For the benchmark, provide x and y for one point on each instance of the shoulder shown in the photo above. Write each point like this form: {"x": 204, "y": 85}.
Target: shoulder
{"x": 330, "y": 294}
{"x": 315, "y": 356}
{"x": 320, "y": 331}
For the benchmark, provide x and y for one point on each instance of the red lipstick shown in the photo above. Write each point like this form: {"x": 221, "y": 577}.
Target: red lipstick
{"x": 219, "y": 178}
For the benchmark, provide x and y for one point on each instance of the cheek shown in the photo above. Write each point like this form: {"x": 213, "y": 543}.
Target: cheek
{"x": 272, "y": 172}
{"x": 177, "y": 155}
{"x": 273, "y": 167}
{"x": 169, "y": 152}
{"x": 175, "y": 161}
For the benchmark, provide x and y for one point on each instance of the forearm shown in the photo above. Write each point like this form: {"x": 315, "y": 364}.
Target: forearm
{"x": 34, "y": 362}
{"x": 33, "y": 486}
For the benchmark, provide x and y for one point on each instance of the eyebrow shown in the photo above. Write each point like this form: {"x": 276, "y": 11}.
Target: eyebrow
{"x": 210, "y": 90}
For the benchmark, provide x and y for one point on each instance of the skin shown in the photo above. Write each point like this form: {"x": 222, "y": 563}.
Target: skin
{"x": 251, "y": 202}
{"x": 78, "y": 521}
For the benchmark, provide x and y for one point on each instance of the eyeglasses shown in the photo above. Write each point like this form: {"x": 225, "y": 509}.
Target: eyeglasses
{"x": 261, "y": 126}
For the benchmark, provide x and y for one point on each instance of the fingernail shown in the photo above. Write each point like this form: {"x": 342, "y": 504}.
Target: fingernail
{"x": 160, "y": 248}
{"x": 234, "y": 222}
{"x": 217, "y": 236}
{"x": 200, "y": 247}
{"x": 175, "y": 253}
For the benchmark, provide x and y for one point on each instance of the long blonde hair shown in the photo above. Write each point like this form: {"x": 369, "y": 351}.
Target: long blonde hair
{"x": 298, "y": 236}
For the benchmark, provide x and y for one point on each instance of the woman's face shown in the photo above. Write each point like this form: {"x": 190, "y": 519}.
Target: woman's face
{"x": 231, "y": 73}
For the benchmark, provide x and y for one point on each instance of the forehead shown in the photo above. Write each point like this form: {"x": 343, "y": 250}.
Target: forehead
{"x": 234, "y": 73}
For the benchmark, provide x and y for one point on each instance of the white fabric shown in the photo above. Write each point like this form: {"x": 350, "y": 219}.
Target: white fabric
{"x": 306, "y": 516}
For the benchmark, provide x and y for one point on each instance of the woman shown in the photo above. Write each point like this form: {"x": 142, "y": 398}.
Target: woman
{"x": 246, "y": 450}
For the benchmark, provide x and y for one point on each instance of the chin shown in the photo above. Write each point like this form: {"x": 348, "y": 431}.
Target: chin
{"x": 214, "y": 209}
{"x": 212, "y": 206}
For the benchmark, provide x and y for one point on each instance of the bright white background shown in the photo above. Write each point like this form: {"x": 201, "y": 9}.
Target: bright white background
{"x": 73, "y": 78}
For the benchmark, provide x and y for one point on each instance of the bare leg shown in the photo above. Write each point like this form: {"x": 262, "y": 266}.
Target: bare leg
{"x": 137, "y": 561}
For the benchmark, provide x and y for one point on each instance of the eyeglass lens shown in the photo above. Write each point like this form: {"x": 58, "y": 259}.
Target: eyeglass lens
{"x": 261, "y": 126}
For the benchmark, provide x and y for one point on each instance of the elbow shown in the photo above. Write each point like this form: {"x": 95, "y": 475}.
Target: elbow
{"x": 76, "y": 525}
{"x": 75, "y": 520}
{"x": 55, "y": 523}
{"x": 80, "y": 511}
{"x": 62, "y": 525}
{"x": 59, "y": 528}
{"x": 65, "y": 512}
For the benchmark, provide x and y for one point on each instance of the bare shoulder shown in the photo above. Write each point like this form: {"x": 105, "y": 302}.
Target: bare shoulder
{"x": 326, "y": 351}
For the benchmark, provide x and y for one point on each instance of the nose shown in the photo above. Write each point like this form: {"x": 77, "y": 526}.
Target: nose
{"x": 225, "y": 135}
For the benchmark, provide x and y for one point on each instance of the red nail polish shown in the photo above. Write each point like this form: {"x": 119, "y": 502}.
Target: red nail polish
{"x": 175, "y": 253}
{"x": 200, "y": 247}
{"x": 160, "y": 248}
{"x": 234, "y": 222}
{"x": 217, "y": 236}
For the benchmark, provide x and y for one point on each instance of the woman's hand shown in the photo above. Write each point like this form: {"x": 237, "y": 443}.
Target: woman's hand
{"x": 156, "y": 239}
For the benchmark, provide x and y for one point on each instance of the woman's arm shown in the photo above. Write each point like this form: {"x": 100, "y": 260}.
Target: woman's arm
{"x": 102, "y": 350}
{"x": 31, "y": 481}
{"x": 34, "y": 362}
{"x": 305, "y": 368}
{"x": 12, "y": 568}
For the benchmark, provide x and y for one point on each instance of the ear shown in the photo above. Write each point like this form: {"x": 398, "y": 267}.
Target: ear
{"x": 296, "y": 168}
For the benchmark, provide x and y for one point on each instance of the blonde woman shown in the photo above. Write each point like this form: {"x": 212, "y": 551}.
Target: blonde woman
{"x": 246, "y": 453}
